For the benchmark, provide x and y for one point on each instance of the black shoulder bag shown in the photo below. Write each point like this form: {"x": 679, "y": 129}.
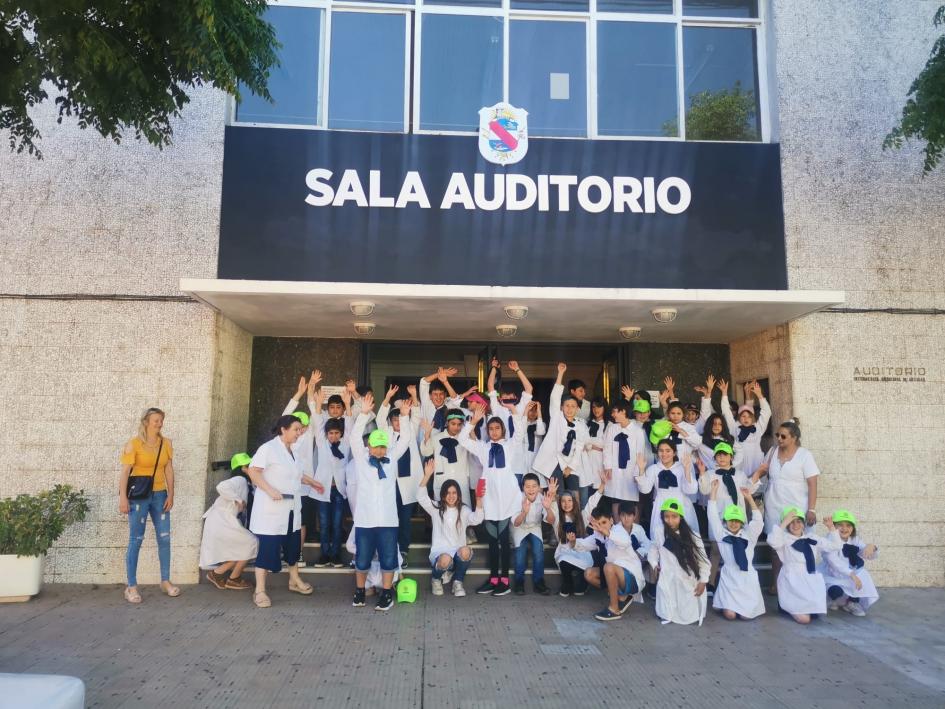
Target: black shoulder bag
{"x": 140, "y": 486}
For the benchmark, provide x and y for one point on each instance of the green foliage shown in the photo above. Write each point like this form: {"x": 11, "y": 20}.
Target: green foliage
{"x": 29, "y": 524}
{"x": 719, "y": 115}
{"x": 923, "y": 116}
{"x": 126, "y": 64}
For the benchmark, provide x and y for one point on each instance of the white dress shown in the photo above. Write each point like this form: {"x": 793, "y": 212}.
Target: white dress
{"x": 681, "y": 491}
{"x": 751, "y": 446}
{"x": 593, "y": 459}
{"x": 502, "y": 499}
{"x": 738, "y": 591}
{"x": 787, "y": 484}
{"x": 799, "y": 591}
{"x": 449, "y": 534}
{"x": 224, "y": 537}
{"x": 623, "y": 483}
{"x": 564, "y": 552}
{"x": 675, "y": 591}
{"x": 284, "y": 473}
{"x": 836, "y": 570}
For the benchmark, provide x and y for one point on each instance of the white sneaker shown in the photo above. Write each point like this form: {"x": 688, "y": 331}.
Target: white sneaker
{"x": 300, "y": 563}
{"x": 447, "y": 576}
{"x": 437, "y": 587}
{"x": 854, "y": 608}
{"x": 470, "y": 536}
{"x": 458, "y": 589}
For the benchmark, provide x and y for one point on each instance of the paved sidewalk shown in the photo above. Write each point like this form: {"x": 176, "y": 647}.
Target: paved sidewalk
{"x": 211, "y": 648}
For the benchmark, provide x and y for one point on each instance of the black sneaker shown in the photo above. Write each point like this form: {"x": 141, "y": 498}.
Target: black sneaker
{"x": 519, "y": 589}
{"x": 403, "y": 564}
{"x": 502, "y": 589}
{"x": 541, "y": 589}
{"x": 624, "y": 605}
{"x": 358, "y": 600}
{"x": 650, "y": 591}
{"x": 322, "y": 562}
{"x": 564, "y": 592}
{"x": 607, "y": 615}
{"x": 709, "y": 590}
{"x": 336, "y": 561}
{"x": 385, "y": 601}
{"x": 487, "y": 587}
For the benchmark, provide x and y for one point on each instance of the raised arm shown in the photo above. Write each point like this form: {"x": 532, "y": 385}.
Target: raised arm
{"x": 726, "y": 405}
{"x": 526, "y": 385}
{"x": 406, "y": 431}
{"x": 764, "y": 416}
{"x": 646, "y": 478}
{"x": 423, "y": 497}
{"x": 493, "y": 373}
{"x": 444, "y": 375}
{"x": 716, "y": 530}
{"x": 293, "y": 404}
{"x": 358, "y": 451}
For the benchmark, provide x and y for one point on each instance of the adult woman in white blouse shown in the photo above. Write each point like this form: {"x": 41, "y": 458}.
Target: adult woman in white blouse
{"x": 792, "y": 480}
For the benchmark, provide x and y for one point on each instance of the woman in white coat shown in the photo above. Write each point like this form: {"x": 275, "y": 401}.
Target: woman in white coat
{"x": 277, "y": 520}
{"x": 677, "y": 551}
{"x": 227, "y": 546}
{"x": 800, "y": 585}
{"x": 738, "y": 594}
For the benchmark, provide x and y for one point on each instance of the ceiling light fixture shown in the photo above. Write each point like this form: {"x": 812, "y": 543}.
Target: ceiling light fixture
{"x": 516, "y": 312}
{"x": 629, "y": 332}
{"x": 364, "y": 328}
{"x": 664, "y": 315}
{"x": 506, "y": 330}
{"x": 361, "y": 308}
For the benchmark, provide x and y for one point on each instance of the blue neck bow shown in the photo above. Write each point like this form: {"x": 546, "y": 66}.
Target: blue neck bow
{"x": 448, "y": 448}
{"x": 852, "y": 553}
{"x": 379, "y": 463}
{"x": 496, "y": 456}
{"x": 739, "y": 547}
{"x": 623, "y": 450}
{"x": 806, "y": 546}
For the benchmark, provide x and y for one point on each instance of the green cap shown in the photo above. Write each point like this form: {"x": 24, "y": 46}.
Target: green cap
{"x": 671, "y": 504}
{"x": 844, "y": 516}
{"x": 406, "y": 591}
{"x": 723, "y": 447}
{"x": 660, "y": 430}
{"x": 301, "y": 416}
{"x": 239, "y": 460}
{"x": 642, "y": 406}
{"x": 791, "y": 512}
{"x": 378, "y": 437}
{"x": 734, "y": 512}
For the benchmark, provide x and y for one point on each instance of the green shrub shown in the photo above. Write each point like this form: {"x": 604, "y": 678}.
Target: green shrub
{"x": 29, "y": 524}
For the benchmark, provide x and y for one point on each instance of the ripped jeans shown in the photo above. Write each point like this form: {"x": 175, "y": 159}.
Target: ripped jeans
{"x": 137, "y": 521}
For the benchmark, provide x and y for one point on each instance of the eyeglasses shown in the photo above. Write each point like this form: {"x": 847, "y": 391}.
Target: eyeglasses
{"x": 781, "y": 436}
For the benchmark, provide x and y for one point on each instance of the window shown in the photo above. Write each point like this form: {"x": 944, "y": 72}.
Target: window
{"x": 294, "y": 85}
{"x": 636, "y": 79}
{"x": 567, "y": 5}
{"x": 547, "y": 75}
{"x": 461, "y": 70}
{"x": 366, "y": 85}
{"x": 720, "y": 8}
{"x": 721, "y": 84}
{"x": 639, "y": 6}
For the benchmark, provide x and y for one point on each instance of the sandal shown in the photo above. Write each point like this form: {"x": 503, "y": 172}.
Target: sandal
{"x": 218, "y": 580}
{"x": 132, "y": 595}
{"x": 237, "y": 584}
{"x": 305, "y": 589}
{"x": 170, "y": 589}
{"x": 261, "y": 599}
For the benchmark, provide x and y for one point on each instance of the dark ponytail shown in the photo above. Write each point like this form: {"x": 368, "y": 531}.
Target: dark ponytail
{"x": 793, "y": 426}
{"x": 283, "y": 423}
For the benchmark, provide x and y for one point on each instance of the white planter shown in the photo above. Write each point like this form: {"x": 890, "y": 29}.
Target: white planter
{"x": 20, "y": 577}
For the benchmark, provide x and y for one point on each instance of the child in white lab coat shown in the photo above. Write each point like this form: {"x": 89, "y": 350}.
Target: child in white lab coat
{"x": 571, "y": 563}
{"x": 526, "y": 532}
{"x": 738, "y": 594}
{"x": 535, "y": 430}
{"x": 849, "y": 585}
{"x": 800, "y": 585}
{"x": 227, "y": 546}
{"x": 623, "y": 442}
{"x": 678, "y": 554}
{"x": 669, "y": 478}
{"x": 561, "y": 453}
{"x": 749, "y": 430}
{"x": 593, "y": 464}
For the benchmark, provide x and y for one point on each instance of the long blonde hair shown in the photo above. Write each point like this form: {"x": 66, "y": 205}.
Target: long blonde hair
{"x": 143, "y": 423}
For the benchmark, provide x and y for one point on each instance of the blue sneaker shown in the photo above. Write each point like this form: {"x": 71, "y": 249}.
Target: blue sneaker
{"x": 607, "y": 615}
{"x": 624, "y": 605}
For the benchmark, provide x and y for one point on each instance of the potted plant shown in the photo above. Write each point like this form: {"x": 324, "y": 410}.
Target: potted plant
{"x": 29, "y": 524}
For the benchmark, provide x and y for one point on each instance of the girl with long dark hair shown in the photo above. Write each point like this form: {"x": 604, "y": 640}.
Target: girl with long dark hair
{"x": 679, "y": 555}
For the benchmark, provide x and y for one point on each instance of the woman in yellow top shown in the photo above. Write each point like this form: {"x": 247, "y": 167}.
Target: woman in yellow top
{"x": 139, "y": 458}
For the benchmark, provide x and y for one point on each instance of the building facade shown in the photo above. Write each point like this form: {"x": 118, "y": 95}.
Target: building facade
{"x": 205, "y": 278}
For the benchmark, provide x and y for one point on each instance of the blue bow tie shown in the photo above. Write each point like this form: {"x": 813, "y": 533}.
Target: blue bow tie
{"x": 806, "y": 546}
{"x": 592, "y": 428}
{"x": 439, "y": 419}
{"x": 667, "y": 479}
{"x": 635, "y": 543}
{"x": 569, "y": 528}
{"x": 496, "y": 456}
{"x": 448, "y": 448}
{"x": 744, "y": 432}
{"x": 530, "y": 432}
{"x": 739, "y": 546}
{"x": 728, "y": 478}
{"x": 336, "y": 450}
{"x": 511, "y": 427}
{"x": 403, "y": 465}
{"x": 379, "y": 463}
{"x": 623, "y": 450}
{"x": 566, "y": 450}
{"x": 852, "y": 553}
{"x": 600, "y": 554}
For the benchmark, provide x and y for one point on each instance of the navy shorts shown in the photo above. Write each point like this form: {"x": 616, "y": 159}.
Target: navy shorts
{"x": 630, "y": 587}
{"x": 270, "y": 545}
{"x": 376, "y": 540}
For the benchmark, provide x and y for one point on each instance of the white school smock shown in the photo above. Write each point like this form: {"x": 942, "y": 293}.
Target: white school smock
{"x": 512, "y": 422}
{"x": 593, "y": 462}
{"x": 283, "y": 472}
{"x": 564, "y": 552}
{"x": 622, "y": 484}
{"x": 376, "y": 497}
{"x": 551, "y": 455}
{"x": 407, "y": 484}
{"x": 619, "y": 552}
{"x": 737, "y": 590}
{"x": 725, "y": 499}
{"x": 675, "y": 593}
{"x": 787, "y": 484}
{"x": 649, "y": 455}
{"x": 330, "y": 469}
{"x": 751, "y": 446}
{"x": 681, "y": 491}
{"x": 538, "y": 429}
{"x": 444, "y": 470}
{"x": 502, "y": 494}
{"x": 800, "y": 592}
{"x": 448, "y": 536}
{"x": 224, "y": 537}
{"x": 532, "y": 522}
{"x": 836, "y": 570}
{"x": 304, "y": 447}
{"x": 427, "y": 408}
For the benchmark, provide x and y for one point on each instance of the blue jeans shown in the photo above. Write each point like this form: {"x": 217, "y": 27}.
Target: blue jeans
{"x": 538, "y": 559}
{"x": 404, "y": 513}
{"x": 329, "y": 520}
{"x": 379, "y": 540}
{"x": 457, "y": 566}
{"x": 137, "y": 521}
